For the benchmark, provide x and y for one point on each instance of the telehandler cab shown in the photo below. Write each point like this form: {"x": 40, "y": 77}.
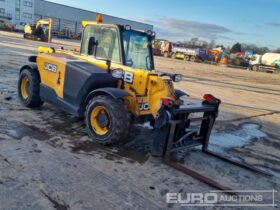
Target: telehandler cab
{"x": 113, "y": 79}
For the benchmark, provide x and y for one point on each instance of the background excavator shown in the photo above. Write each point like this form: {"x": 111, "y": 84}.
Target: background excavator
{"x": 42, "y": 31}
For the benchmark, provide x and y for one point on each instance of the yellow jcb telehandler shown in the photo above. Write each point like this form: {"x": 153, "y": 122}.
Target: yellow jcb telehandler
{"x": 112, "y": 80}
{"x": 42, "y": 31}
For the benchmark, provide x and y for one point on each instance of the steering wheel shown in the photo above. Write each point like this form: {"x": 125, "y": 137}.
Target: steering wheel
{"x": 147, "y": 62}
{"x": 129, "y": 62}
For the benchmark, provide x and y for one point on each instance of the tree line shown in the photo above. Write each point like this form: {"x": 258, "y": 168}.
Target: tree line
{"x": 238, "y": 47}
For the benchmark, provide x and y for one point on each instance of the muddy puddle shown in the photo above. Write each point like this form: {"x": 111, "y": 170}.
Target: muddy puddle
{"x": 64, "y": 129}
{"x": 114, "y": 153}
{"x": 136, "y": 147}
{"x": 239, "y": 136}
{"x": 225, "y": 141}
{"x": 19, "y": 130}
{"x": 234, "y": 142}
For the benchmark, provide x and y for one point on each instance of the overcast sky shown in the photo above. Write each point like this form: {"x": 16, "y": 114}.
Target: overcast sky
{"x": 225, "y": 21}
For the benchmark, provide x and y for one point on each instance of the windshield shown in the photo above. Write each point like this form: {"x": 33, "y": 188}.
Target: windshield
{"x": 137, "y": 53}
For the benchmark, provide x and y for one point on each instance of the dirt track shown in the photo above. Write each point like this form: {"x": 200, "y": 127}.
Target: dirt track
{"x": 48, "y": 162}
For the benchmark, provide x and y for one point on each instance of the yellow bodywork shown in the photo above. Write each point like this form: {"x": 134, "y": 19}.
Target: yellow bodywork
{"x": 147, "y": 86}
{"x": 51, "y": 79}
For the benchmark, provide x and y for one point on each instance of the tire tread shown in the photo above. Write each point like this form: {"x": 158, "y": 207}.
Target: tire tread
{"x": 121, "y": 114}
{"x": 35, "y": 100}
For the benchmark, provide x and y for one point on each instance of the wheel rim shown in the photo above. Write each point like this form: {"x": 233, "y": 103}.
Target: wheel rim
{"x": 254, "y": 68}
{"x": 100, "y": 120}
{"x": 24, "y": 87}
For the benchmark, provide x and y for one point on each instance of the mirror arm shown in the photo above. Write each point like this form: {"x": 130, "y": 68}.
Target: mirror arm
{"x": 95, "y": 48}
{"x": 108, "y": 63}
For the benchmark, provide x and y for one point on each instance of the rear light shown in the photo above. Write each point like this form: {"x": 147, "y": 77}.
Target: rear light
{"x": 211, "y": 99}
{"x": 167, "y": 102}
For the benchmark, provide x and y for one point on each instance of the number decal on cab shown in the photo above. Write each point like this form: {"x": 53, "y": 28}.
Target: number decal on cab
{"x": 128, "y": 77}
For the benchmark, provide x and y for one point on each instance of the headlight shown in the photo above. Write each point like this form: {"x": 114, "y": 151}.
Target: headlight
{"x": 177, "y": 78}
{"x": 117, "y": 73}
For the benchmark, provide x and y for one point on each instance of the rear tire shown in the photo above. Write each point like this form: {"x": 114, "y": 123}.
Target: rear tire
{"x": 192, "y": 58}
{"x": 107, "y": 120}
{"x": 255, "y": 68}
{"x": 186, "y": 58}
{"x": 29, "y": 88}
{"x": 166, "y": 54}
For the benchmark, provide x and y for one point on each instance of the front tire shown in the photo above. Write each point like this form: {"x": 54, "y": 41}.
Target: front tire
{"x": 107, "y": 120}
{"x": 29, "y": 88}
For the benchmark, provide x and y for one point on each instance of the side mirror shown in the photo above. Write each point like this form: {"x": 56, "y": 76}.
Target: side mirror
{"x": 92, "y": 46}
{"x": 177, "y": 78}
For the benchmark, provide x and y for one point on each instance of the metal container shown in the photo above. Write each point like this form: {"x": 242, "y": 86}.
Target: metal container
{"x": 271, "y": 59}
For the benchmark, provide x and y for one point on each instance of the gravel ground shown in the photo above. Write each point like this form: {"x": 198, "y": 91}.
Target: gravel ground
{"x": 47, "y": 160}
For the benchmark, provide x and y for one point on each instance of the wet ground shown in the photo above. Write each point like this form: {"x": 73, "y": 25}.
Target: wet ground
{"x": 47, "y": 160}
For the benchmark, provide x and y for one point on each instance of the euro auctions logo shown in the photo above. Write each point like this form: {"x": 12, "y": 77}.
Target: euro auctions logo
{"x": 241, "y": 198}
{"x": 192, "y": 198}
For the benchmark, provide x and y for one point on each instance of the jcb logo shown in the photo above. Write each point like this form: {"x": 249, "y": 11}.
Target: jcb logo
{"x": 128, "y": 77}
{"x": 144, "y": 107}
{"x": 50, "y": 67}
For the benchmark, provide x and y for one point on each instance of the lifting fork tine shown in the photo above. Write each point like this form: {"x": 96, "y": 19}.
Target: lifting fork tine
{"x": 208, "y": 121}
{"x": 237, "y": 163}
{"x": 187, "y": 170}
{"x": 199, "y": 176}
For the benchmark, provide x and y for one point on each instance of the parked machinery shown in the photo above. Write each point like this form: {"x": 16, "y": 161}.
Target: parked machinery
{"x": 189, "y": 54}
{"x": 267, "y": 62}
{"x": 162, "y": 47}
{"x": 215, "y": 55}
{"x": 42, "y": 31}
{"x": 6, "y": 26}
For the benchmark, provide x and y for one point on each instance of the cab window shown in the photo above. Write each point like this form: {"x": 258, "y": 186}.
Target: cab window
{"x": 136, "y": 50}
{"x": 101, "y": 42}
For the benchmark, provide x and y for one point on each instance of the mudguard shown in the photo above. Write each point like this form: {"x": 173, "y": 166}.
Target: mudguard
{"x": 179, "y": 93}
{"x": 30, "y": 66}
{"x": 32, "y": 59}
{"x": 115, "y": 93}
